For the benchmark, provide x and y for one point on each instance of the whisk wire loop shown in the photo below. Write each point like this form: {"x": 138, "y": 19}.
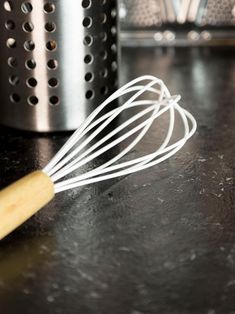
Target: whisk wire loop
{"x": 84, "y": 130}
{"x": 79, "y": 150}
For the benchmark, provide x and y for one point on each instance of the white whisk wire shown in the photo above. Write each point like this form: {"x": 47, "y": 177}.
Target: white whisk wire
{"x": 84, "y": 130}
{"x": 74, "y": 154}
{"x": 72, "y": 140}
{"x": 75, "y": 164}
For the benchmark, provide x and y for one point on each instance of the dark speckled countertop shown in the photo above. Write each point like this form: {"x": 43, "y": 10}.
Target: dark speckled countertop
{"x": 159, "y": 241}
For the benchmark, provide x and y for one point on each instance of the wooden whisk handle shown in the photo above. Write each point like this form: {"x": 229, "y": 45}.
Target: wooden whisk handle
{"x": 22, "y": 199}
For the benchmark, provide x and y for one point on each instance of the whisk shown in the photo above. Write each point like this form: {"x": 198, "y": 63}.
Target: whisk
{"x": 25, "y": 197}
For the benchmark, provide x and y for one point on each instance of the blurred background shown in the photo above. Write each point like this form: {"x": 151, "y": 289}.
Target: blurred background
{"x": 177, "y": 22}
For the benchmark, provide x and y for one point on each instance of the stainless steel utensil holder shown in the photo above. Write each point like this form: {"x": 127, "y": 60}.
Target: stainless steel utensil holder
{"x": 59, "y": 60}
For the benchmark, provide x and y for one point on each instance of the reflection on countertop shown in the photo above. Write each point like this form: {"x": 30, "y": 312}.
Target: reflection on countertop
{"x": 159, "y": 241}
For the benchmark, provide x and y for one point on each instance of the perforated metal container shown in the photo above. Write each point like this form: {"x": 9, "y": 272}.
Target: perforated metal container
{"x": 59, "y": 60}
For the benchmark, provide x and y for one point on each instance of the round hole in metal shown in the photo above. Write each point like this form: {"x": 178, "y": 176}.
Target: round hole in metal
{"x": 8, "y": 6}
{"x": 87, "y": 22}
{"x": 103, "y": 18}
{"x": 114, "y": 48}
{"x": 11, "y": 43}
{"x": 113, "y": 13}
{"x": 104, "y": 54}
{"x": 52, "y": 64}
{"x": 32, "y": 82}
{"x": 53, "y": 82}
{"x": 26, "y": 7}
{"x": 29, "y": 45}
{"x": 89, "y": 76}
{"x": 33, "y": 100}
{"x": 54, "y": 100}
{"x": 14, "y": 80}
{"x": 30, "y": 64}
{"x": 114, "y": 66}
{"x": 12, "y": 62}
{"x": 104, "y": 90}
{"x": 51, "y": 45}
{"x": 28, "y": 27}
{"x": 86, "y": 4}
{"x": 89, "y": 94}
{"x": 10, "y": 25}
{"x": 114, "y": 30}
{"x": 88, "y": 59}
{"x": 103, "y": 36}
{"x": 88, "y": 40}
{"x": 50, "y": 27}
{"x": 104, "y": 73}
{"x": 15, "y": 98}
{"x": 49, "y": 7}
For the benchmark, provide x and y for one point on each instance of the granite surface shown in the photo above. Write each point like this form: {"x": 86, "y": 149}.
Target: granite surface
{"x": 158, "y": 241}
